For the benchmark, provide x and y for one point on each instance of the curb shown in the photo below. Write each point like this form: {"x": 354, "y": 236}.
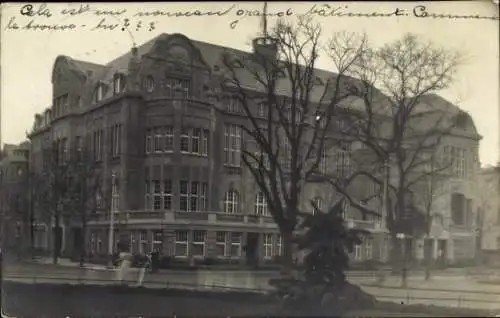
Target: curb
{"x": 433, "y": 289}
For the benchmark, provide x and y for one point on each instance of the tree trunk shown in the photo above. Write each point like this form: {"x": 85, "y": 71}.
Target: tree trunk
{"x": 82, "y": 244}
{"x": 428, "y": 259}
{"x": 287, "y": 263}
{"x": 57, "y": 239}
{"x": 32, "y": 234}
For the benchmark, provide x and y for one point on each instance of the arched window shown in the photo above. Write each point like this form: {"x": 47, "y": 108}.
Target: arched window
{"x": 231, "y": 202}
{"x": 318, "y": 202}
{"x": 261, "y": 204}
{"x": 149, "y": 84}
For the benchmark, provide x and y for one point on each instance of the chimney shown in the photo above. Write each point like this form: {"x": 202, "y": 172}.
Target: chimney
{"x": 265, "y": 47}
{"x": 133, "y": 70}
{"x": 134, "y": 51}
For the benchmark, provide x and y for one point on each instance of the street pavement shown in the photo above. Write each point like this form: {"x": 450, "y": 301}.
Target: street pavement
{"x": 443, "y": 290}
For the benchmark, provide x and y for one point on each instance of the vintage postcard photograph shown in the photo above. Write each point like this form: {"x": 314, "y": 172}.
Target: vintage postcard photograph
{"x": 250, "y": 159}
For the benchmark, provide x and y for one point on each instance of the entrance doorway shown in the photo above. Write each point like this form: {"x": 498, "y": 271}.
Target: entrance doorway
{"x": 77, "y": 241}
{"x": 252, "y": 248}
{"x": 428, "y": 244}
{"x": 441, "y": 253}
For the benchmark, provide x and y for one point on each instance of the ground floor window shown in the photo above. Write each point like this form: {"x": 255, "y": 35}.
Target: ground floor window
{"x": 157, "y": 241}
{"x": 181, "y": 243}
{"x": 236, "y": 238}
{"x": 279, "y": 246}
{"x": 358, "y": 253}
{"x": 221, "y": 243}
{"x": 368, "y": 248}
{"x": 268, "y": 246}
{"x": 143, "y": 242}
{"x": 198, "y": 245}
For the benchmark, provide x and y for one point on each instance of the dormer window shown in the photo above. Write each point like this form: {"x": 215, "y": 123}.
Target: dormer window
{"x": 99, "y": 93}
{"x": 118, "y": 83}
{"x": 149, "y": 84}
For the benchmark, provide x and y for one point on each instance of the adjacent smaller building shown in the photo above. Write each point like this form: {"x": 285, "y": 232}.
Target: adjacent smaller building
{"x": 489, "y": 214}
{"x": 14, "y": 196}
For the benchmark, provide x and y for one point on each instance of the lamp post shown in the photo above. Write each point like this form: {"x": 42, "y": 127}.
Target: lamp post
{"x": 112, "y": 220}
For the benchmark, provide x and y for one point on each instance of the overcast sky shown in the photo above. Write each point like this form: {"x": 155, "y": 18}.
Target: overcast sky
{"x": 27, "y": 56}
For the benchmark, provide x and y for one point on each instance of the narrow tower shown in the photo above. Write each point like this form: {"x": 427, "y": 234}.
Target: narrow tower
{"x": 265, "y": 46}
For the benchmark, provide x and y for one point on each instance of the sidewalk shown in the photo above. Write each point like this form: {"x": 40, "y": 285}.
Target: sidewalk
{"x": 444, "y": 284}
{"x": 351, "y": 273}
{"x": 68, "y": 263}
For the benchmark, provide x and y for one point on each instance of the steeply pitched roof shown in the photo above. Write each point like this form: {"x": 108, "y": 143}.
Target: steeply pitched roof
{"x": 213, "y": 54}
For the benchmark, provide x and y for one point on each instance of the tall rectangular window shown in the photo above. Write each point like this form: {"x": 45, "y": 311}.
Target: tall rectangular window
{"x": 268, "y": 246}
{"x": 232, "y": 145}
{"x": 323, "y": 160}
{"x": 158, "y": 136}
{"x": 181, "y": 243}
{"x": 147, "y": 189}
{"x": 115, "y": 140}
{"x": 195, "y": 141}
{"x": 157, "y": 241}
{"x": 262, "y": 110}
{"x": 221, "y": 243}
{"x": 342, "y": 160}
{"x": 236, "y": 238}
{"x": 183, "y": 195}
{"x": 204, "y": 142}
{"x": 156, "y": 195}
{"x": 148, "y": 145}
{"x": 286, "y": 157}
{"x": 169, "y": 139}
{"x": 184, "y": 146}
{"x": 279, "y": 246}
{"x": 167, "y": 194}
{"x": 193, "y": 204}
{"x": 203, "y": 197}
{"x": 199, "y": 239}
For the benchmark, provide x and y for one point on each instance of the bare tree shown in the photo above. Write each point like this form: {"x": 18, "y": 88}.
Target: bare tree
{"x": 49, "y": 191}
{"x": 403, "y": 124}
{"x": 86, "y": 197}
{"x": 288, "y": 110}
{"x": 429, "y": 191}
{"x": 66, "y": 189}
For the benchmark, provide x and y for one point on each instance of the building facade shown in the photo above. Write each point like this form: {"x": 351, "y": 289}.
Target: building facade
{"x": 174, "y": 145}
{"x": 14, "y": 199}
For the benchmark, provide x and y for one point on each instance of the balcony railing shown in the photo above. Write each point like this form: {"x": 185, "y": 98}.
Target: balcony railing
{"x": 210, "y": 217}
{"x": 183, "y": 216}
{"x": 361, "y": 224}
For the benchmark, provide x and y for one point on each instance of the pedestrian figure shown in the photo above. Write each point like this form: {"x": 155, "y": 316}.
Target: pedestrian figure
{"x": 142, "y": 270}
{"x": 125, "y": 263}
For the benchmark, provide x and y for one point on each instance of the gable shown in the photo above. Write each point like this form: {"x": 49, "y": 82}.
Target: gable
{"x": 177, "y": 48}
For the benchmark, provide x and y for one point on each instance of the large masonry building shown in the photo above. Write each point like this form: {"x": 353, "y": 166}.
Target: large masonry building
{"x": 153, "y": 122}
